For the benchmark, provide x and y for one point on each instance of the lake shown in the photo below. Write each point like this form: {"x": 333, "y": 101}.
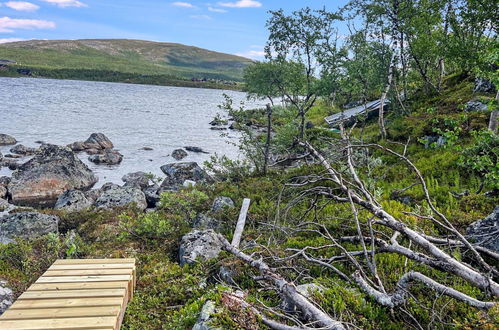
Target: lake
{"x": 132, "y": 116}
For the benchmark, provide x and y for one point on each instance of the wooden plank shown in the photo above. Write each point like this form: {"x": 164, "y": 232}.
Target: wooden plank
{"x": 67, "y": 302}
{"x": 30, "y": 295}
{"x": 78, "y": 286}
{"x": 78, "y": 272}
{"x": 236, "y": 239}
{"x": 26, "y": 314}
{"x": 89, "y": 278}
{"x": 93, "y": 261}
{"x": 92, "y": 266}
{"x": 100, "y": 322}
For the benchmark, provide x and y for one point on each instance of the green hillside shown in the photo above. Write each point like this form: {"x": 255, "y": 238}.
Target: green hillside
{"x": 121, "y": 60}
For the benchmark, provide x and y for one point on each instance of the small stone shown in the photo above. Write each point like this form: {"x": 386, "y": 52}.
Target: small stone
{"x": 484, "y": 232}
{"x": 108, "y": 157}
{"x": 179, "y": 154}
{"x": 199, "y": 245}
{"x": 221, "y": 203}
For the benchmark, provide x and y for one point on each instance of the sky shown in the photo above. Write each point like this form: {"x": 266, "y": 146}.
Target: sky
{"x": 229, "y": 26}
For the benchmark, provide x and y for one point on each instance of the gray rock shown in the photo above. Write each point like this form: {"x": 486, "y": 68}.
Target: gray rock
{"x": 177, "y": 173}
{"x": 4, "y": 181}
{"x": 485, "y": 232}
{"x": 4, "y": 205}
{"x": 6, "y": 140}
{"x": 13, "y": 156}
{"x": 51, "y": 172}
{"x": 196, "y": 149}
{"x": 136, "y": 179}
{"x": 152, "y": 196}
{"x": 179, "y": 154}
{"x": 202, "y": 221}
{"x": 98, "y": 141}
{"x": 483, "y": 86}
{"x": 73, "y": 201}
{"x": 121, "y": 196}
{"x": 3, "y": 191}
{"x": 474, "y": 106}
{"x": 221, "y": 203}
{"x": 203, "y": 245}
{"x": 26, "y": 225}
{"x": 23, "y": 150}
{"x": 204, "y": 317}
{"x": 438, "y": 140}
{"x": 108, "y": 157}
{"x": 6, "y": 297}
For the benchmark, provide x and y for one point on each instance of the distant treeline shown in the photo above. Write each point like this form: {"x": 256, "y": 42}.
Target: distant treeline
{"x": 215, "y": 82}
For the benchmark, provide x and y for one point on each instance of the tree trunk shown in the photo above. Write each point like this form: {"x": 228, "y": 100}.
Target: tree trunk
{"x": 494, "y": 116}
{"x": 385, "y": 94}
{"x": 269, "y": 136}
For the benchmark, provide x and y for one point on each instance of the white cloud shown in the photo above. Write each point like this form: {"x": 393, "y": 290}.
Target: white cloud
{"x": 8, "y": 24}
{"x": 66, "y": 3}
{"x": 241, "y": 4}
{"x": 21, "y": 5}
{"x": 200, "y": 16}
{"x": 217, "y": 10}
{"x": 6, "y": 40}
{"x": 253, "y": 54}
{"x": 182, "y": 4}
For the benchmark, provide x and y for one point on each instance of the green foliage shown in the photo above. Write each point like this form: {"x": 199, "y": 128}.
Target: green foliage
{"x": 184, "y": 203}
{"x": 482, "y": 157}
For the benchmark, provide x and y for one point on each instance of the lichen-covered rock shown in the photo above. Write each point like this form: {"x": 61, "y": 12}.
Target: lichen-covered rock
{"x": 136, "y": 179}
{"x": 3, "y": 191}
{"x": 6, "y": 297}
{"x": 179, "y": 154}
{"x": 117, "y": 196}
{"x": 178, "y": 173}
{"x": 202, "y": 221}
{"x": 26, "y": 225}
{"x": 23, "y": 150}
{"x": 50, "y": 173}
{"x": 201, "y": 245}
{"x": 73, "y": 201}
{"x": 98, "y": 141}
{"x": 108, "y": 157}
{"x": 473, "y": 106}
{"x": 6, "y": 140}
{"x": 485, "y": 232}
{"x": 206, "y": 312}
{"x": 221, "y": 203}
{"x": 483, "y": 85}
{"x": 4, "y": 205}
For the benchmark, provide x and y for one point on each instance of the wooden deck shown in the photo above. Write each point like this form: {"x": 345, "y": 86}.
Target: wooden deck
{"x": 75, "y": 294}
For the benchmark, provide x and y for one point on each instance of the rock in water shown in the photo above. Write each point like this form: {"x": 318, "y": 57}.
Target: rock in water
{"x": 23, "y": 150}
{"x": 199, "y": 244}
{"x": 98, "y": 141}
{"x": 196, "y": 149}
{"x": 179, "y": 154}
{"x": 6, "y": 140}
{"x": 117, "y": 196}
{"x": 136, "y": 179}
{"x": 485, "y": 232}
{"x": 6, "y": 297}
{"x": 52, "y": 171}
{"x": 26, "y": 225}
{"x": 108, "y": 157}
{"x": 221, "y": 202}
{"x": 73, "y": 201}
{"x": 177, "y": 173}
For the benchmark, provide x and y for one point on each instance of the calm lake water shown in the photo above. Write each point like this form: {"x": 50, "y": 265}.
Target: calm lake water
{"x": 132, "y": 116}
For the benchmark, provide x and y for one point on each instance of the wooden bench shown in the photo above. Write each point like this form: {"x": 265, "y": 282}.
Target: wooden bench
{"x": 75, "y": 294}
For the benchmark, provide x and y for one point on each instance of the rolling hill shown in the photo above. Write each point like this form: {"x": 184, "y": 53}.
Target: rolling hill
{"x": 122, "y": 60}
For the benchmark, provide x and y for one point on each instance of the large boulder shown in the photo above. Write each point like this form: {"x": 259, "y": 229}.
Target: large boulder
{"x": 26, "y": 225}
{"x": 485, "y": 232}
{"x": 45, "y": 177}
{"x": 483, "y": 85}
{"x": 6, "y": 140}
{"x": 178, "y": 173}
{"x": 117, "y": 196}
{"x": 6, "y": 297}
{"x": 179, "y": 154}
{"x": 222, "y": 203}
{"x": 73, "y": 201}
{"x": 23, "y": 150}
{"x": 203, "y": 245}
{"x": 108, "y": 157}
{"x": 137, "y": 179}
